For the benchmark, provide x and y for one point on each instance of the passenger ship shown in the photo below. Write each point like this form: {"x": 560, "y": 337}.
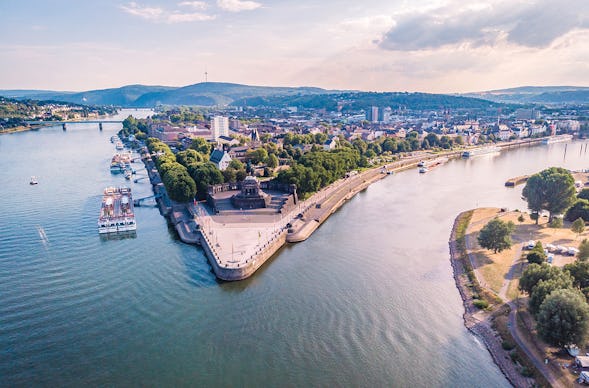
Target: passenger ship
{"x": 480, "y": 151}
{"x": 116, "y": 211}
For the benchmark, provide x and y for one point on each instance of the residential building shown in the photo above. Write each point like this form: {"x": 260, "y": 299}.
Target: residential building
{"x": 219, "y": 126}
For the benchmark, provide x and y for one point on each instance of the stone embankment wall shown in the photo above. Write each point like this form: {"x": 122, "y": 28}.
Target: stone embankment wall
{"x": 232, "y": 272}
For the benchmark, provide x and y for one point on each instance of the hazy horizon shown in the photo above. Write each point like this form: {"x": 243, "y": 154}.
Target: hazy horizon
{"x": 434, "y": 46}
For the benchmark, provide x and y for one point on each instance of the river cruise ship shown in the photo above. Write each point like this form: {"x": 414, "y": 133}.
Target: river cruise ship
{"x": 116, "y": 212}
{"x": 120, "y": 163}
{"x": 480, "y": 151}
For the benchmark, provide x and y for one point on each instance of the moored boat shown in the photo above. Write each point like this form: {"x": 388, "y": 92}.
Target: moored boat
{"x": 480, "y": 151}
{"x": 33, "y": 181}
{"x": 116, "y": 211}
{"x": 557, "y": 139}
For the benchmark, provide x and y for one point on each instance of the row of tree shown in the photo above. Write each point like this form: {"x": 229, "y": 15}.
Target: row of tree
{"x": 188, "y": 173}
{"x": 179, "y": 184}
{"x": 317, "y": 169}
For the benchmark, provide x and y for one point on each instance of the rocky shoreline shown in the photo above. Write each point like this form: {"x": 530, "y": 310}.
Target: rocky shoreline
{"x": 477, "y": 322}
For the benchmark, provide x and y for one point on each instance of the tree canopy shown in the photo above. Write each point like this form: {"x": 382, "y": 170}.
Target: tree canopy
{"x": 578, "y": 226}
{"x": 496, "y": 235}
{"x": 563, "y": 318}
{"x": 580, "y": 209}
{"x": 552, "y": 189}
{"x": 534, "y": 273}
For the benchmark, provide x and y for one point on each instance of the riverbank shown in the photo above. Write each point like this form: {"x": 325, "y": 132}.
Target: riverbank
{"x": 20, "y": 128}
{"x": 475, "y": 320}
{"x": 236, "y": 246}
{"x": 493, "y": 278}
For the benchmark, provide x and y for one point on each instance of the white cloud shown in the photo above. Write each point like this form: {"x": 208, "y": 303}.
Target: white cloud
{"x": 157, "y": 14}
{"x": 178, "y": 17}
{"x": 197, "y": 5}
{"x": 149, "y": 13}
{"x": 238, "y": 5}
{"x": 533, "y": 23}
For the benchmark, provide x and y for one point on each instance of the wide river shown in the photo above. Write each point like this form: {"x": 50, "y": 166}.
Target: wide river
{"x": 368, "y": 300}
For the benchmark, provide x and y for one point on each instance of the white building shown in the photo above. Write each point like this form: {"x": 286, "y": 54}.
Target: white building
{"x": 219, "y": 126}
{"x": 221, "y": 159}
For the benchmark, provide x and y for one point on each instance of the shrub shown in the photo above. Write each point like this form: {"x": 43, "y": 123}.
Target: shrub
{"x": 556, "y": 223}
{"x": 507, "y": 345}
{"x": 526, "y": 372}
{"x": 537, "y": 257}
{"x": 480, "y": 304}
{"x": 521, "y": 218}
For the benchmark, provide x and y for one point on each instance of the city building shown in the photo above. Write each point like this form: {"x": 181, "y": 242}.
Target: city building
{"x": 219, "y": 126}
{"x": 221, "y": 159}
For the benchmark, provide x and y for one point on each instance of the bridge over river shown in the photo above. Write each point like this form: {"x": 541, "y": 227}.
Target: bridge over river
{"x": 64, "y": 123}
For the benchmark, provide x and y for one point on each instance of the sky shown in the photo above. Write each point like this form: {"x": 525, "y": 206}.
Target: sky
{"x": 437, "y": 46}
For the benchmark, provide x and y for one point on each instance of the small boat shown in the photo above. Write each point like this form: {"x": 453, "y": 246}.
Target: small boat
{"x": 421, "y": 164}
{"x": 423, "y": 170}
{"x": 34, "y": 181}
{"x": 128, "y": 174}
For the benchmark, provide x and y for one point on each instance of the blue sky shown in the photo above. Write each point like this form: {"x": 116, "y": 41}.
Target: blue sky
{"x": 395, "y": 45}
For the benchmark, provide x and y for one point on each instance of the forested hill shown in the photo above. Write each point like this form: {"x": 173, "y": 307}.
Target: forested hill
{"x": 218, "y": 93}
{"x": 362, "y": 100}
{"x": 203, "y": 94}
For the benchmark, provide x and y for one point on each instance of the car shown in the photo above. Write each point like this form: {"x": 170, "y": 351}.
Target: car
{"x": 530, "y": 244}
{"x": 572, "y": 251}
{"x": 550, "y": 259}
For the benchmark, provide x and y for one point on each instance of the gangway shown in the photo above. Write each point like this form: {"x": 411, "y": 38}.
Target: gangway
{"x": 141, "y": 201}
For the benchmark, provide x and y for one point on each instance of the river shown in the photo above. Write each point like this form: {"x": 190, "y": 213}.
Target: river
{"x": 368, "y": 300}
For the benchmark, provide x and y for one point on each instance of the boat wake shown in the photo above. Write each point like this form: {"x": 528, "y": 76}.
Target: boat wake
{"x": 42, "y": 234}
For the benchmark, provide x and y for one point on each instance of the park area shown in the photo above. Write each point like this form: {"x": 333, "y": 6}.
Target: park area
{"x": 500, "y": 273}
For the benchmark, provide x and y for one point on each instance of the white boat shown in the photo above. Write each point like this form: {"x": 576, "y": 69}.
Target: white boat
{"x": 34, "y": 181}
{"x": 480, "y": 151}
{"x": 423, "y": 170}
{"x": 116, "y": 211}
{"x": 119, "y": 145}
{"x": 557, "y": 139}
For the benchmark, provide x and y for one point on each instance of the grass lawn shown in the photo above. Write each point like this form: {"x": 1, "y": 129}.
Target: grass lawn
{"x": 493, "y": 268}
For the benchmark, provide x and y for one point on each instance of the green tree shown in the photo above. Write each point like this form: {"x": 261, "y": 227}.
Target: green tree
{"x": 579, "y": 270}
{"x": 236, "y": 164}
{"x": 578, "y": 226}
{"x": 545, "y": 287}
{"x": 272, "y": 161}
{"x": 496, "y": 235}
{"x": 534, "y": 273}
{"x": 536, "y": 257}
{"x": 190, "y": 156}
{"x": 229, "y": 175}
{"x": 583, "y": 194}
{"x": 552, "y": 189}
{"x": 580, "y": 209}
{"x": 257, "y": 156}
{"x": 563, "y": 318}
{"x": 556, "y": 222}
{"x": 583, "y": 250}
{"x": 205, "y": 174}
{"x": 202, "y": 146}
